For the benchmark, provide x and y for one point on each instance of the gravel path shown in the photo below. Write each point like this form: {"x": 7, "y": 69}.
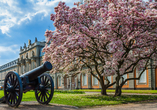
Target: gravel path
{"x": 132, "y": 106}
{"x": 35, "y": 106}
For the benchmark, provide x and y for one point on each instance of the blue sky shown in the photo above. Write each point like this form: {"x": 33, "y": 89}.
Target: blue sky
{"x": 21, "y": 20}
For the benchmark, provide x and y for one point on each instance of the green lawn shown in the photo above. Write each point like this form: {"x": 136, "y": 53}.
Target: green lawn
{"x": 89, "y": 100}
{"x": 1, "y": 93}
{"x": 82, "y": 100}
{"x": 123, "y": 91}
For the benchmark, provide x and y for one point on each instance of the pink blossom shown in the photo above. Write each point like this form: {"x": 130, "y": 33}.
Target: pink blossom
{"x": 120, "y": 33}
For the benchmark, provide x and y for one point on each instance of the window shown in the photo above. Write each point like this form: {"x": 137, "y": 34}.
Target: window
{"x": 84, "y": 79}
{"x": 109, "y": 78}
{"x": 143, "y": 78}
{"x": 95, "y": 80}
{"x": 125, "y": 77}
{"x": 59, "y": 81}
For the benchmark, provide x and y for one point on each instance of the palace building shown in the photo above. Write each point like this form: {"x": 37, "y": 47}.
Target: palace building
{"x": 30, "y": 57}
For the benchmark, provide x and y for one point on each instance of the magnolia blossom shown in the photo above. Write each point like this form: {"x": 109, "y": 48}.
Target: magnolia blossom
{"x": 119, "y": 35}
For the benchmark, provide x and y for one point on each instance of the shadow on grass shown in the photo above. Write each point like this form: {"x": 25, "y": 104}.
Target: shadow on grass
{"x": 122, "y": 99}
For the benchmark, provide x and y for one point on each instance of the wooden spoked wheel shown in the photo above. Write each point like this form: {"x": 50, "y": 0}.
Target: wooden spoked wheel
{"x": 45, "y": 90}
{"x": 13, "y": 89}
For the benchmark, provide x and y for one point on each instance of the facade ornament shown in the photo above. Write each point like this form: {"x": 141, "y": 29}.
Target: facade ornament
{"x": 24, "y": 45}
{"x": 29, "y": 42}
{"x": 20, "y": 48}
{"x": 36, "y": 39}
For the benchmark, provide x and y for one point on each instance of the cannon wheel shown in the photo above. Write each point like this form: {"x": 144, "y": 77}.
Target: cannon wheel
{"x": 45, "y": 90}
{"x": 13, "y": 89}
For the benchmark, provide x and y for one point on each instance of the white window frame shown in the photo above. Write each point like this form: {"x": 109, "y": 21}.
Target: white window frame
{"x": 143, "y": 78}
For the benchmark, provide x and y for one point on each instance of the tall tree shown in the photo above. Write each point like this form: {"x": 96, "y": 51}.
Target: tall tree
{"x": 107, "y": 36}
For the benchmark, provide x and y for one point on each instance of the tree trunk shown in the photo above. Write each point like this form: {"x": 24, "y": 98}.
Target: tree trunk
{"x": 118, "y": 90}
{"x": 103, "y": 87}
{"x": 103, "y": 91}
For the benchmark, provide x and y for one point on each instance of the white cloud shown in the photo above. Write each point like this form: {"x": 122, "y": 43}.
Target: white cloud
{"x": 10, "y": 49}
{"x": 8, "y": 53}
{"x": 12, "y": 13}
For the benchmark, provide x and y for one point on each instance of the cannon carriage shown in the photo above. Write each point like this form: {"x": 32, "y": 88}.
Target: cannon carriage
{"x": 15, "y": 85}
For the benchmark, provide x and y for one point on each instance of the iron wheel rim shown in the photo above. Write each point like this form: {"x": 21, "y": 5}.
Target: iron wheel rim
{"x": 45, "y": 96}
{"x": 13, "y": 89}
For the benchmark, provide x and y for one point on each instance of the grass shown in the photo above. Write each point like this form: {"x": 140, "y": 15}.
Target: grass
{"x": 1, "y": 93}
{"x": 123, "y": 91}
{"x": 88, "y": 100}
{"x": 69, "y": 91}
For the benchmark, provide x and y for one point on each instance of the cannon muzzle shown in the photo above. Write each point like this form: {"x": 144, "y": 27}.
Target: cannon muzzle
{"x": 33, "y": 74}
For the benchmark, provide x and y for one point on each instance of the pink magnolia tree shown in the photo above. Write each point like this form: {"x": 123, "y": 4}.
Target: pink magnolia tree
{"x": 108, "y": 37}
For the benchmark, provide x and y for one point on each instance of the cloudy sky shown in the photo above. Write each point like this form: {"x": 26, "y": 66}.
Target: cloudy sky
{"x": 21, "y": 20}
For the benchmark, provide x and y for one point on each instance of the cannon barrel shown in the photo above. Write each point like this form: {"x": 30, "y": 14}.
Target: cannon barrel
{"x": 33, "y": 74}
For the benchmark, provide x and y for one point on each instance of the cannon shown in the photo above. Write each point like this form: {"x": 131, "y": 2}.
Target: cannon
{"x": 15, "y": 85}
